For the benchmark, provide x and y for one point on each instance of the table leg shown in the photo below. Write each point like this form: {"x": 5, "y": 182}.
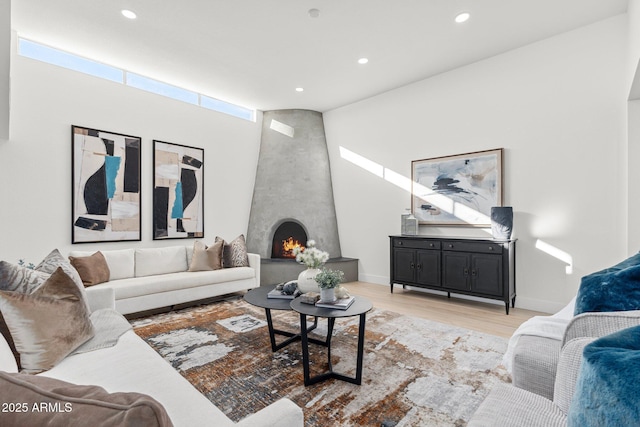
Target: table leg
{"x": 292, "y": 336}
{"x": 308, "y": 380}
{"x": 305, "y": 348}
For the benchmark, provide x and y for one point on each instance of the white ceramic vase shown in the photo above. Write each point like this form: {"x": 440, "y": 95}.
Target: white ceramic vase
{"x": 307, "y": 280}
{"x": 327, "y": 294}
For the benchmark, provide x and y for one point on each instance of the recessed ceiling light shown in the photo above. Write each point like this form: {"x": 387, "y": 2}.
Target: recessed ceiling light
{"x": 363, "y": 60}
{"x": 314, "y": 13}
{"x": 299, "y": 89}
{"x": 462, "y": 17}
{"x": 129, "y": 14}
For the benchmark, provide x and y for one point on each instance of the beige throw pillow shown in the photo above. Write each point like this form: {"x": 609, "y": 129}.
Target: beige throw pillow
{"x": 206, "y": 258}
{"x": 47, "y": 324}
{"x": 20, "y": 279}
{"x": 92, "y": 269}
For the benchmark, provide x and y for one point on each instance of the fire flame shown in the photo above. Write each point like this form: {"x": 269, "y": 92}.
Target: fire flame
{"x": 288, "y": 245}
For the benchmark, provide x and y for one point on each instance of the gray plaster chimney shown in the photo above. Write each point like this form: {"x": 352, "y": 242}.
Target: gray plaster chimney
{"x": 293, "y": 182}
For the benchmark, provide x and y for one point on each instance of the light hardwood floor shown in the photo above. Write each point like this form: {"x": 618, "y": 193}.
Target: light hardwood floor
{"x": 478, "y": 316}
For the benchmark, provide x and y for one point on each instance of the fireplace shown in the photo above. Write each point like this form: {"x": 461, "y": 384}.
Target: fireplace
{"x": 288, "y": 236}
{"x": 290, "y": 209}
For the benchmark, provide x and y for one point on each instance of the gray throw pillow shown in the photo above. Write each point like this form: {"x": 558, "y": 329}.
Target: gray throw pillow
{"x": 234, "y": 253}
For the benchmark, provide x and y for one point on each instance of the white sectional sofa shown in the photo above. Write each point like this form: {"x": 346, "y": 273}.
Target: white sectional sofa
{"x": 150, "y": 278}
{"x": 132, "y": 366}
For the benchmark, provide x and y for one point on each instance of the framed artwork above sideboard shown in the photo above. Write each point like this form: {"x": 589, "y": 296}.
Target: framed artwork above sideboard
{"x": 457, "y": 190}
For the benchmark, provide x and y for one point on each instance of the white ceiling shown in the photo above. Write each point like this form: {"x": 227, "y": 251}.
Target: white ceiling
{"x": 256, "y": 52}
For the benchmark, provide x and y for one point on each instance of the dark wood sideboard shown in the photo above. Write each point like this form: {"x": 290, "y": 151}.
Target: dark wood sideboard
{"x": 483, "y": 268}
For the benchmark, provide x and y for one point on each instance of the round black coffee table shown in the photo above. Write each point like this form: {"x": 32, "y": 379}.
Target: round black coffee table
{"x": 258, "y": 297}
{"x": 360, "y": 307}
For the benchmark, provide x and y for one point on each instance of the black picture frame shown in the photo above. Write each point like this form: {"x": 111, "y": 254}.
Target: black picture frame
{"x": 178, "y": 191}
{"x": 106, "y": 186}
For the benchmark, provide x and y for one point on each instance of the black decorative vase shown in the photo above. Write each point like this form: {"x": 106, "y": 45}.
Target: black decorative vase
{"x": 501, "y": 222}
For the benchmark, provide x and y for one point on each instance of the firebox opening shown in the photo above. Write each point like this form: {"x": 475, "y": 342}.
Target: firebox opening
{"x": 287, "y": 236}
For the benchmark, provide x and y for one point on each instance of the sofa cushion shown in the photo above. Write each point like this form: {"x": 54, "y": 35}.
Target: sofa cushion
{"x": 48, "y": 401}
{"x": 206, "y": 258}
{"x": 152, "y": 261}
{"x": 615, "y": 288}
{"x": 608, "y": 384}
{"x": 234, "y": 253}
{"x": 93, "y": 269}
{"x": 121, "y": 262}
{"x": 7, "y": 359}
{"x": 47, "y": 324}
{"x": 131, "y": 288}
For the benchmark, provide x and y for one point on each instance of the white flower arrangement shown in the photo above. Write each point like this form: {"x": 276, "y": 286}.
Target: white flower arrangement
{"x": 311, "y": 256}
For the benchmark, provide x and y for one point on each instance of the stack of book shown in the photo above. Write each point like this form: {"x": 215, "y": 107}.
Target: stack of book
{"x": 339, "y": 304}
{"x": 279, "y": 294}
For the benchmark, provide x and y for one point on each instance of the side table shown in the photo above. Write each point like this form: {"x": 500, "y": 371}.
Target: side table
{"x": 258, "y": 297}
{"x": 360, "y": 307}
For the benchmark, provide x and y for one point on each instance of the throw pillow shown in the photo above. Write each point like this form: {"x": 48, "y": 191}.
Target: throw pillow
{"x": 54, "y": 260}
{"x": 608, "y": 384}
{"x": 92, "y": 269}
{"x": 206, "y": 258}
{"x": 234, "y": 253}
{"x": 7, "y": 359}
{"x": 615, "y": 288}
{"x": 16, "y": 278}
{"x": 47, "y": 324}
{"x": 67, "y": 404}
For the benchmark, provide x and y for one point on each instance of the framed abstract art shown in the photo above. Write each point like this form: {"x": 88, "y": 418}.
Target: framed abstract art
{"x": 105, "y": 186}
{"x": 457, "y": 190}
{"x": 178, "y": 191}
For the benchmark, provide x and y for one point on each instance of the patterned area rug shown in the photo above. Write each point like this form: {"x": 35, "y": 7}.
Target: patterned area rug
{"x": 416, "y": 372}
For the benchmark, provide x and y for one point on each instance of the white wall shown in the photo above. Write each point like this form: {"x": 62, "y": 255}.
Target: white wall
{"x": 633, "y": 198}
{"x": 5, "y": 45}
{"x": 558, "y": 107}
{"x": 35, "y": 164}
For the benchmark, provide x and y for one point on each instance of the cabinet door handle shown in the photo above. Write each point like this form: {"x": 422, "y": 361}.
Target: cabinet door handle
{"x": 450, "y": 246}
{"x": 466, "y": 271}
{"x": 474, "y": 273}
{"x": 490, "y": 248}
{"x": 400, "y": 243}
{"x": 412, "y": 265}
{"x": 419, "y": 266}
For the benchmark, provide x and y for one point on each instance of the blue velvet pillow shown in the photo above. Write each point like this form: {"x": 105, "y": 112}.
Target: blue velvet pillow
{"x": 608, "y": 384}
{"x": 615, "y": 288}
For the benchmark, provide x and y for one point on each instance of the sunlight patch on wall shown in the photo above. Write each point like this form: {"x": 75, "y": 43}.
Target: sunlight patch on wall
{"x": 282, "y": 128}
{"x": 557, "y": 253}
{"x": 430, "y": 196}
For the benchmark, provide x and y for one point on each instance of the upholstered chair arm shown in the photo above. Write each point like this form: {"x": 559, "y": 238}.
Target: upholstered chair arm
{"x": 254, "y": 262}
{"x": 282, "y": 413}
{"x": 99, "y": 298}
{"x": 599, "y": 324}
{"x": 567, "y": 373}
